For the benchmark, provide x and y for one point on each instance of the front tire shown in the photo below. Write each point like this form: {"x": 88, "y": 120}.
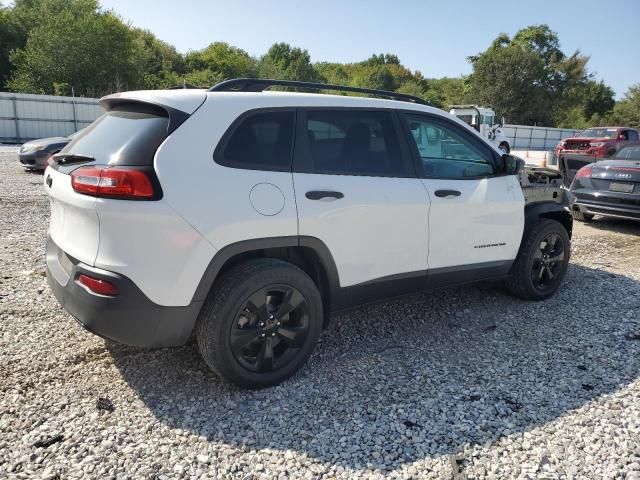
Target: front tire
{"x": 260, "y": 323}
{"x": 542, "y": 261}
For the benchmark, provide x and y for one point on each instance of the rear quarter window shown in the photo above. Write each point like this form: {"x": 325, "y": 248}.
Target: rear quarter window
{"x": 261, "y": 140}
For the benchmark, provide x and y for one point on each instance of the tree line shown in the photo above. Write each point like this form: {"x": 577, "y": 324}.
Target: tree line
{"x": 75, "y": 46}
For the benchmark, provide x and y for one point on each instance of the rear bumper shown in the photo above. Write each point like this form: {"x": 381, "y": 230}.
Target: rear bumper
{"x": 129, "y": 318}
{"x": 34, "y": 160}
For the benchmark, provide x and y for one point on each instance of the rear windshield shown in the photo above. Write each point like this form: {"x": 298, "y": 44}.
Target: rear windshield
{"x": 125, "y": 135}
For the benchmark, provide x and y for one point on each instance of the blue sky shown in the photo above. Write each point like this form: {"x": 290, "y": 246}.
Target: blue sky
{"x": 434, "y": 37}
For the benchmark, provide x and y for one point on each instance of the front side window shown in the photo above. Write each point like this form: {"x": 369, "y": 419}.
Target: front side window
{"x": 446, "y": 152}
{"x": 353, "y": 142}
{"x": 261, "y": 141}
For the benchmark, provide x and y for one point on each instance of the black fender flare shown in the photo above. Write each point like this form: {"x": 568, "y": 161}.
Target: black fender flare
{"x": 558, "y": 211}
{"x": 245, "y": 246}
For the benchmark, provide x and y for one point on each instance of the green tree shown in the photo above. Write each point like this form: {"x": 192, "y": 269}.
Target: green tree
{"x": 626, "y": 112}
{"x": 449, "y": 91}
{"x": 536, "y": 82}
{"x": 11, "y": 37}
{"x": 597, "y": 98}
{"x": 508, "y": 78}
{"x": 219, "y": 61}
{"x": 159, "y": 64}
{"x": 284, "y": 62}
{"x": 89, "y": 50}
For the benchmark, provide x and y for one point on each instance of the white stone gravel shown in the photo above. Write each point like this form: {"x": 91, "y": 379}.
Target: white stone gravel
{"x": 460, "y": 383}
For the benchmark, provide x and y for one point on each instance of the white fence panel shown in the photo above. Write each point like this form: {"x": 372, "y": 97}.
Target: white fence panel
{"x": 25, "y": 117}
{"x": 536, "y": 138}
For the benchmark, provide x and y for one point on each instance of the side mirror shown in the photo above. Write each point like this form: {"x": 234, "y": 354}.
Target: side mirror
{"x": 512, "y": 165}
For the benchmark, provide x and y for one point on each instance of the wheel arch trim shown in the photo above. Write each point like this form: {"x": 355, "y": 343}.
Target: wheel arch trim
{"x": 246, "y": 246}
{"x": 550, "y": 210}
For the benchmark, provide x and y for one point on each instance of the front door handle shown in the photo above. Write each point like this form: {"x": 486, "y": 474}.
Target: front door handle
{"x": 447, "y": 193}
{"x": 320, "y": 194}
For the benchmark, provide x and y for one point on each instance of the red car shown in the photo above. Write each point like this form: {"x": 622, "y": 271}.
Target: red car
{"x": 591, "y": 145}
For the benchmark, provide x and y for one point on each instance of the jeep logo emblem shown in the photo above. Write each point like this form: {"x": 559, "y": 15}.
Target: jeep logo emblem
{"x": 623, "y": 175}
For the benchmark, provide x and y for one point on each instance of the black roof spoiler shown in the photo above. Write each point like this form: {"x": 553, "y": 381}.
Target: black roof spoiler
{"x": 176, "y": 117}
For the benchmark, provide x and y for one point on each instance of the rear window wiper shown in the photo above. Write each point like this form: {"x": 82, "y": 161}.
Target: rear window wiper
{"x": 65, "y": 158}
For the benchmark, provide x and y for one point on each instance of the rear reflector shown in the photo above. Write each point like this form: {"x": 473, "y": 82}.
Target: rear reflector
{"x": 584, "y": 171}
{"x": 112, "y": 182}
{"x": 101, "y": 287}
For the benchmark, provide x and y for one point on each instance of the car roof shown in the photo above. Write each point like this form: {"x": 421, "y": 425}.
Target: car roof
{"x": 297, "y": 99}
{"x": 189, "y": 100}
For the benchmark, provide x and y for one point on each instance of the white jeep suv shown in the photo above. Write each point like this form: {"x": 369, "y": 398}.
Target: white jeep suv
{"x": 246, "y": 217}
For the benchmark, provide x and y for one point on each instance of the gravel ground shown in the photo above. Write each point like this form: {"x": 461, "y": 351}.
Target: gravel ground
{"x": 462, "y": 383}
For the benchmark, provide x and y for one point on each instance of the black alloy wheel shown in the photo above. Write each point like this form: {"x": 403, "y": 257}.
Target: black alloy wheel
{"x": 542, "y": 261}
{"x": 270, "y": 328}
{"x": 260, "y": 322}
{"x": 548, "y": 260}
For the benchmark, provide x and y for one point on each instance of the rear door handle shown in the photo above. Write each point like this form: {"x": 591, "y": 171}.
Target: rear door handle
{"x": 320, "y": 194}
{"x": 447, "y": 193}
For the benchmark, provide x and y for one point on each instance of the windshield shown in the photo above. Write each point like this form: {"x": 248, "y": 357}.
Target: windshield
{"x": 628, "y": 153}
{"x": 600, "y": 133}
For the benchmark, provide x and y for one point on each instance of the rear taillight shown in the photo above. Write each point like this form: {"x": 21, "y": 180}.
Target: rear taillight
{"x": 112, "y": 182}
{"x": 96, "y": 285}
{"x": 584, "y": 172}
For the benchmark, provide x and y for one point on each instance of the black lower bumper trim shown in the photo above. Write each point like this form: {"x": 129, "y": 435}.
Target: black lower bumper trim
{"x": 607, "y": 210}
{"x": 130, "y": 318}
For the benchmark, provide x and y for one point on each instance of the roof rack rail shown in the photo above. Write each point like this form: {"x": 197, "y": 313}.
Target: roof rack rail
{"x": 261, "y": 84}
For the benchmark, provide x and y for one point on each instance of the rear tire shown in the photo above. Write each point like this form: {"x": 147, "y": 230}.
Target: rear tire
{"x": 581, "y": 217}
{"x": 542, "y": 261}
{"x": 260, "y": 323}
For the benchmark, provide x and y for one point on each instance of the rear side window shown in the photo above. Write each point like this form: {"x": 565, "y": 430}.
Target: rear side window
{"x": 125, "y": 135}
{"x": 633, "y": 135}
{"x": 353, "y": 142}
{"x": 259, "y": 141}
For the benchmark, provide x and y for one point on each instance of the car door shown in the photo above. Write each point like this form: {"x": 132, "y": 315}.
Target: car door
{"x": 357, "y": 192}
{"x": 476, "y": 216}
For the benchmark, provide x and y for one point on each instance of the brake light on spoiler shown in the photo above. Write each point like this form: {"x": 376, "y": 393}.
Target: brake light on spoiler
{"x": 112, "y": 182}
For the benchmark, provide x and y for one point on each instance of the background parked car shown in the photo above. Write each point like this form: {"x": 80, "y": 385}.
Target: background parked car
{"x": 609, "y": 187}
{"x": 34, "y": 154}
{"x": 591, "y": 145}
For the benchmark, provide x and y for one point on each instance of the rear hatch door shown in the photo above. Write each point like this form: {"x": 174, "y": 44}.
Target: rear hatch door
{"x": 127, "y": 135}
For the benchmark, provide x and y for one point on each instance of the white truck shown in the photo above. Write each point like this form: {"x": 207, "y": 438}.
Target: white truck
{"x": 483, "y": 119}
